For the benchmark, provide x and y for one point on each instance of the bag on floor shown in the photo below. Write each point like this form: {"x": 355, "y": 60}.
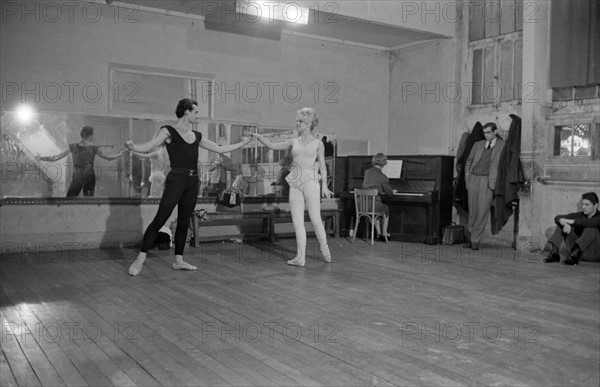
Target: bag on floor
{"x": 452, "y": 234}
{"x": 229, "y": 201}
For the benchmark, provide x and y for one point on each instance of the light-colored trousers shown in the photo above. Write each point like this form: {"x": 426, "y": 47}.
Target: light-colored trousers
{"x": 309, "y": 193}
{"x": 480, "y": 200}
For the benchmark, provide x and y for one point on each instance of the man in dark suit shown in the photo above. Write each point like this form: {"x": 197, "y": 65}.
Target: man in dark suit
{"x": 481, "y": 170}
{"x": 580, "y": 232}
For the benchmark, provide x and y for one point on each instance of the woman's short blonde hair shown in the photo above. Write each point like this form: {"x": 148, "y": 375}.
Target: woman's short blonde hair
{"x": 379, "y": 159}
{"x": 311, "y": 114}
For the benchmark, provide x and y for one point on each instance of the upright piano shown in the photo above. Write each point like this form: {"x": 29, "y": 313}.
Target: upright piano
{"x": 422, "y": 204}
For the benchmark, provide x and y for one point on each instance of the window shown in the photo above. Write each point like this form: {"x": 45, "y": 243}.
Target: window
{"x": 144, "y": 92}
{"x": 574, "y": 53}
{"x": 496, "y": 47}
{"x": 278, "y": 155}
{"x": 248, "y": 155}
{"x": 263, "y": 154}
{"x": 575, "y": 93}
{"x": 577, "y": 140}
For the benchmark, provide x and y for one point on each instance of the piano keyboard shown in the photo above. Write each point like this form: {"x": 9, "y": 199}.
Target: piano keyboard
{"x": 409, "y": 194}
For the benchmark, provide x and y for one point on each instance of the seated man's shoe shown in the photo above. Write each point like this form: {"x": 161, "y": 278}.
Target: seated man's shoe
{"x": 474, "y": 246}
{"x": 554, "y": 256}
{"x": 573, "y": 258}
{"x": 467, "y": 245}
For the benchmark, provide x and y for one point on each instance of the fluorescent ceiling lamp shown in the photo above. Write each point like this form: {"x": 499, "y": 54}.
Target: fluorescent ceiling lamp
{"x": 269, "y": 11}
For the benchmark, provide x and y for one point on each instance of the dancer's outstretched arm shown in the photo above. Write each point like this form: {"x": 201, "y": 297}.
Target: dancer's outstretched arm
{"x": 274, "y": 145}
{"x": 212, "y": 146}
{"x": 106, "y": 156}
{"x": 146, "y": 147}
{"x": 52, "y": 158}
{"x": 151, "y": 155}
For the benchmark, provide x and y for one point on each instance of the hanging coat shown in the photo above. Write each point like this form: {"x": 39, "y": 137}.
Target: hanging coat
{"x": 510, "y": 176}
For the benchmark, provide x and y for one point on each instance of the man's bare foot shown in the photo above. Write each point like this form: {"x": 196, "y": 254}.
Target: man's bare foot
{"x": 183, "y": 266}
{"x": 136, "y": 266}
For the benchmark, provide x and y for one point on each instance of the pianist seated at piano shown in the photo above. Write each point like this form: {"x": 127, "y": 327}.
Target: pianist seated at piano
{"x": 375, "y": 179}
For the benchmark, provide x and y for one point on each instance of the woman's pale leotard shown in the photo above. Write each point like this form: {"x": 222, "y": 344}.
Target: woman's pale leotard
{"x": 304, "y": 170}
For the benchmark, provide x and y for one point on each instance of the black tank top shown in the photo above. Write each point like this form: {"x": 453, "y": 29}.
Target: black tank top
{"x": 182, "y": 154}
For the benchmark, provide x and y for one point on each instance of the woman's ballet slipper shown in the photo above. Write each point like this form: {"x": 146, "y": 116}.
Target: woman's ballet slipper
{"x": 184, "y": 266}
{"x": 297, "y": 262}
{"x": 136, "y": 267}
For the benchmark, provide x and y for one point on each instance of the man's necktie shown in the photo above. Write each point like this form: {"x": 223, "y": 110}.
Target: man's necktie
{"x": 489, "y": 145}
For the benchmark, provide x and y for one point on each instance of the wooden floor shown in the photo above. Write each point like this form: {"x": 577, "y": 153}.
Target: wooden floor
{"x": 392, "y": 314}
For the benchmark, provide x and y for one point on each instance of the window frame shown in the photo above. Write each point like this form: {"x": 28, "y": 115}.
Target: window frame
{"x": 564, "y": 118}
{"x": 492, "y": 31}
{"x": 194, "y": 89}
{"x": 515, "y": 85}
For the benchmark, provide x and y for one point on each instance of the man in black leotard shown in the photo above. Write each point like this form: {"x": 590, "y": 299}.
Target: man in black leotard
{"x": 181, "y": 186}
{"x": 83, "y": 154}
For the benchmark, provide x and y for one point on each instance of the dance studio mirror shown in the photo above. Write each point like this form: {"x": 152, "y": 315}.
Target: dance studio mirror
{"x": 255, "y": 170}
{"x": 26, "y": 135}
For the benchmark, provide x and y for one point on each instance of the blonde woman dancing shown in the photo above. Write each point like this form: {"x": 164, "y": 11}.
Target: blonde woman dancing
{"x": 304, "y": 180}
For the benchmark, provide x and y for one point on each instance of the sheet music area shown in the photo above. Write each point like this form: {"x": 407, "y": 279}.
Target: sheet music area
{"x": 422, "y": 201}
{"x": 393, "y": 169}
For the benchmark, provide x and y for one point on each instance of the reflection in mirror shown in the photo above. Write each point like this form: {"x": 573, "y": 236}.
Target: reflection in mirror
{"x": 253, "y": 171}
{"x": 219, "y": 172}
{"x": 67, "y": 160}
{"x": 272, "y": 165}
{"x": 330, "y": 149}
{"x": 147, "y": 172}
{"x": 52, "y": 155}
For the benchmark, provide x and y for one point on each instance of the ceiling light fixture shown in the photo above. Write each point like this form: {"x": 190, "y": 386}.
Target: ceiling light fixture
{"x": 25, "y": 114}
{"x": 270, "y": 11}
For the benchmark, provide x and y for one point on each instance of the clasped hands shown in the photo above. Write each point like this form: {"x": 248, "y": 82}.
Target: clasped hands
{"x": 566, "y": 224}
{"x": 129, "y": 145}
{"x": 248, "y": 138}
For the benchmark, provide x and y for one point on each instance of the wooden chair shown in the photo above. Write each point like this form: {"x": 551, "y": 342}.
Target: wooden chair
{"x": 364, "y": 202}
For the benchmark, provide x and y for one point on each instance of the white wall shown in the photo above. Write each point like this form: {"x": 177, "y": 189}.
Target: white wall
{"x": 421, "y": 99}
{"x": 45, "y": 54}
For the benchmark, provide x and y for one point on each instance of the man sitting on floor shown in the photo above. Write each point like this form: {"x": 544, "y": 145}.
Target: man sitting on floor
{"x": 580, "y": 231}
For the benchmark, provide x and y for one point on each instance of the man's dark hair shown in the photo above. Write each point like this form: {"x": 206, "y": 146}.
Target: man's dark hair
{"x": 87, "y": 132}
{"x": 490, "y": 125}
{"x": 183, "y": 106}
{"x": 591, "y": 196}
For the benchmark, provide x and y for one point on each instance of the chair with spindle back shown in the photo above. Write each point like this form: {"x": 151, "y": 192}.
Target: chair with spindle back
{"x": 364, "y": 202}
